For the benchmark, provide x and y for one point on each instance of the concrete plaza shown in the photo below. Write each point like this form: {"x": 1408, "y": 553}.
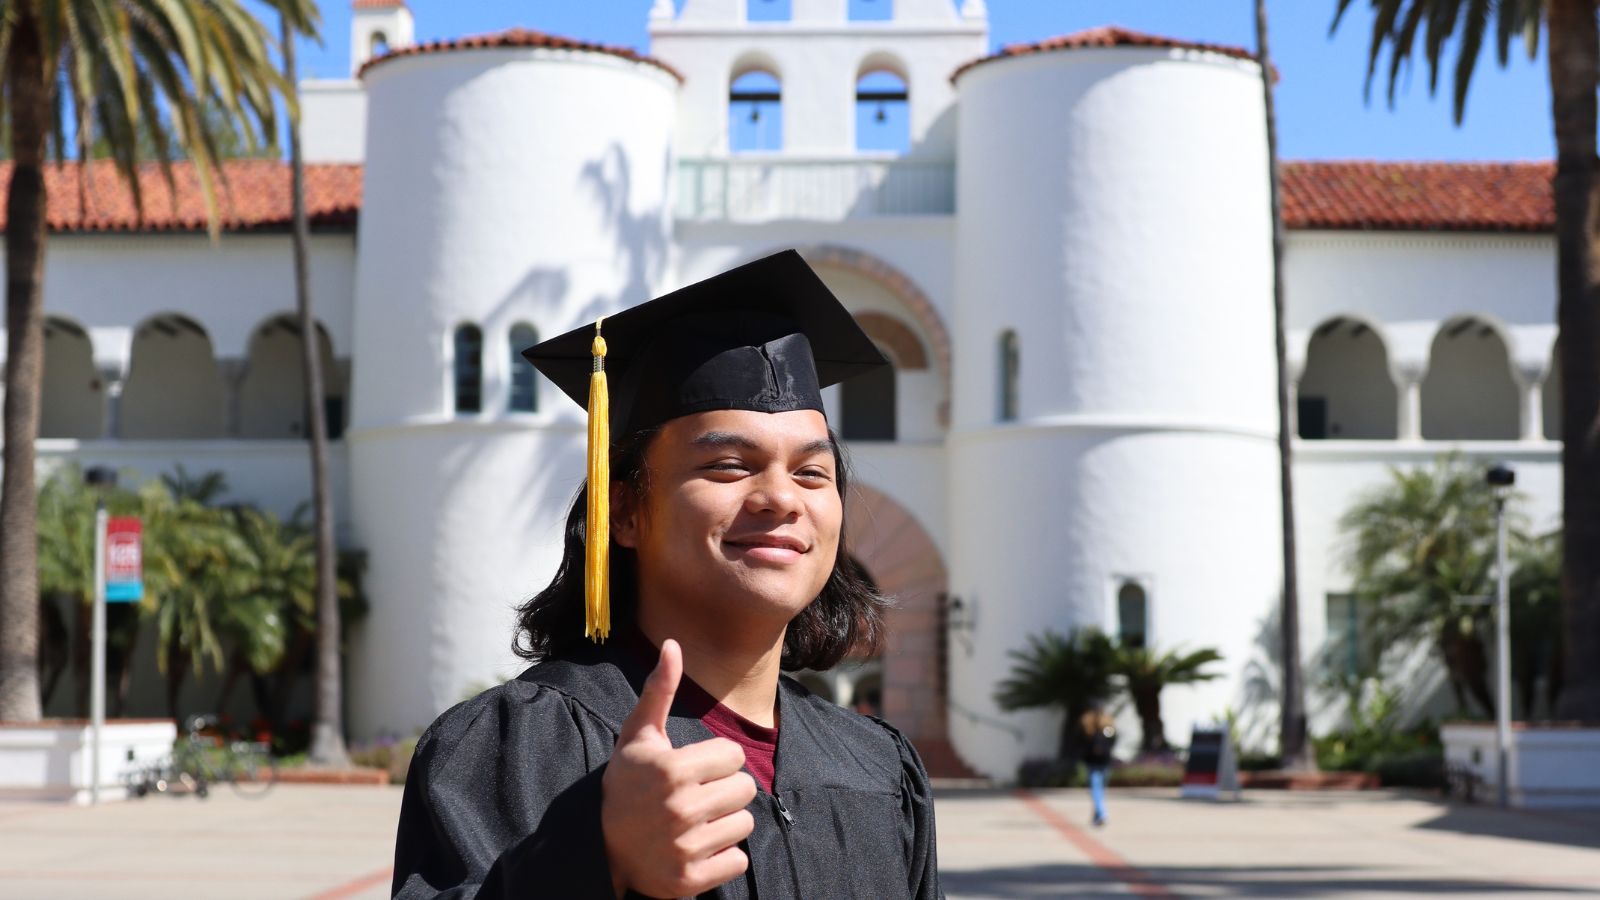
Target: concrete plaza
{"x": 335, "y": 842}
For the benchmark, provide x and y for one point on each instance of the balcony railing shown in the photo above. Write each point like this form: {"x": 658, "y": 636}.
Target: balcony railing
{"x": 758, "y": 189}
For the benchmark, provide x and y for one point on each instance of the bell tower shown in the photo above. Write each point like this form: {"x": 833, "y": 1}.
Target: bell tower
{"x": 376, "y": 27}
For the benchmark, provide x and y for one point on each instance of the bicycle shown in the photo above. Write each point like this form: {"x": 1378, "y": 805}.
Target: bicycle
{"x": 199, "y": 760}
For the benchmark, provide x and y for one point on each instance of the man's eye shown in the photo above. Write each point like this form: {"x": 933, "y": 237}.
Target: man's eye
{"x": 814, "y": 473}
{"x": 727, "y": 467}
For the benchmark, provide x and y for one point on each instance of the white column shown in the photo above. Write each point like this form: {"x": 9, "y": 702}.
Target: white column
{"x": 1531, "y": 413}
{"x": 111, "y": 406}
{"x": 1409, "y": 382}
{"x": 233, "y": 370}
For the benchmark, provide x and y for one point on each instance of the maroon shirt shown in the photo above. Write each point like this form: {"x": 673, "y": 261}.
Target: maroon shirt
{"x": 760, "y": 744}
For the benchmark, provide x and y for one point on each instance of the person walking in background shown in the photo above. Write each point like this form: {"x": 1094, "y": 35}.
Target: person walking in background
{"x": 1099, "y": 737}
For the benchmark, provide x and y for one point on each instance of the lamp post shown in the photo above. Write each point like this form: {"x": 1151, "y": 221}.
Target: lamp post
{"x": 102, "y": 479}
{"x": 1500, "y": 478}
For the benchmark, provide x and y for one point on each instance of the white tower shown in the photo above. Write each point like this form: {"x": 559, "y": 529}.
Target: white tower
{"x": 817, "y": 56}
{"x": 511, "y": 183}
{"x": 333, "y": 111}
{"x": 1114, "y": 223}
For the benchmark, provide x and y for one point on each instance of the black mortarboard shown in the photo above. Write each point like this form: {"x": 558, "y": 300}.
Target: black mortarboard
{"x": 767, "y": 336}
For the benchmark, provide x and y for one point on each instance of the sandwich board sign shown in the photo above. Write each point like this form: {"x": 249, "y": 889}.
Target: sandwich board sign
{"x": 124, "y": 560}
{"x": 1212, "y": 769}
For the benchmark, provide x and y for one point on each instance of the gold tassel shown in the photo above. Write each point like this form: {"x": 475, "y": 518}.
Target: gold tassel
{"x": 597, "y": 536}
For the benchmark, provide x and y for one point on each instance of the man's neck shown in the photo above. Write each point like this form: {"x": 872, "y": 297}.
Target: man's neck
{"x": 737, "y": 666}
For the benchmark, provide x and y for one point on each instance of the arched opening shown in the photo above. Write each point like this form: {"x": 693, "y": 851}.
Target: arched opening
{"x": 272, "y": 395}
{"x": 871, "y": 10}
{"x": 524, "y": 382}
{"x": 71, "y": 391}
{"x": 1133, "y": 615}
{"x": 1469, "y": 394}
{"x": 1552, "y": 396}
{"x": 1010, "y": 371}
{"x": 173, "y": 389}
{"x": 901, "y": 558}
{"x": 883, "y": 111}
{"x": 1346, "y": 392}
{"x": 380, "y": 44}
{"x": 467, "y": 367}
{"x": 768, "y": 10}
{"x": 755, "y": 112}
{"x": 867, "y": 406}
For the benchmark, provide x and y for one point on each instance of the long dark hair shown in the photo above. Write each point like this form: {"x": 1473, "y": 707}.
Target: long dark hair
{"x": 847, "y": 616}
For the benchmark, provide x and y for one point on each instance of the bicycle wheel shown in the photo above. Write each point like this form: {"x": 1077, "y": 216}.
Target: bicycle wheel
{"x": 251, "y": 769}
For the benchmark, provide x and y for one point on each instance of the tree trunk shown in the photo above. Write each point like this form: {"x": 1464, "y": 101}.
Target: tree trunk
{"x": 327, "y": 724}
{"x": 1152, "y": 733}
{"x": 1294, "y": 749}
{"x": 28, "y": 102}
{"x": 1574, "y": 58}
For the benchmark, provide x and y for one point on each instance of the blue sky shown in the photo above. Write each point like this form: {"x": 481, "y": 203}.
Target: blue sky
{"x": 1322, "y": 113}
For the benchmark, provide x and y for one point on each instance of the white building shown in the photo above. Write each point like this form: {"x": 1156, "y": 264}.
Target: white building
{"x": 1070, "y": 268}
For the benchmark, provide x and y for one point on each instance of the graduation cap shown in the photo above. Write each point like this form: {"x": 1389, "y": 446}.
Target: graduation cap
{"x": 767, "y": 336}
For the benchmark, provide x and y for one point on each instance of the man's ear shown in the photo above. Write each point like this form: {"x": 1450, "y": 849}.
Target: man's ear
{"x": 624, "y": 516}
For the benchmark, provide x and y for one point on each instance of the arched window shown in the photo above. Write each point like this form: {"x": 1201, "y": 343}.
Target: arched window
{"x": 1346, "y": 392}
{"x": 1133, "y": 615}
{"x": 71, "y": 392}
{"x": 871, "y": 10}
{"x": 768, "y": 11}
{"x": 755, "y": 112}
{"x": 469, "y": 369}
{"x": 1010, "y": 370}
{"x": 867, "y": 406}
{"x": 174, "y": 389}
{"x": 524, "y": 387}
{"x": 380, "y": 43}
{"x": 883, "y": 112}
{"x": 1468, "y": 394}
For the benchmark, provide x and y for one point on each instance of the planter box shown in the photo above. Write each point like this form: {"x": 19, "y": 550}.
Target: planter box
{"x": 1309, "y": 781}
{"x": 1549, "y": 766}
{"x": 50, "y": 760}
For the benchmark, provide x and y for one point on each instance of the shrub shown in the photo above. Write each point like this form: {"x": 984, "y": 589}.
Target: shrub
{"x": 387, "y": 753}
{"x": 1170, "y": 775}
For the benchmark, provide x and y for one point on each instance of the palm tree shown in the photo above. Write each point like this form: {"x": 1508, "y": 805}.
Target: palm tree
{"x": 1069, "y": 673}
{"x": 1574, "y": 60}
{"x": 127, "y": 67}
{"x": 1293, "y": 747}
{"x": 1415, "y": 547}
{"x": 327, "y": 726}
{"x": 1145, "y": 673}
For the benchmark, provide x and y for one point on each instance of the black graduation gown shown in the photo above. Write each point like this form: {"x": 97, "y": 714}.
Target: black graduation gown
{"x": 503, "y": 795}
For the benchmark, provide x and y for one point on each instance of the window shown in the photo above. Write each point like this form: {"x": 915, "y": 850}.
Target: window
{"x": 883, "y": 112}
{"x": 768, "y": 11}
{"x": 755, "y": 113}
{"x": 871, "y": 10}
{"x": 380, "y": 43}
{"x": 524, "y": 387}
{"x": 469, "y": 369}
{"x": 1350, "y": 646}
{"x": 867, "y": 406}
{"x": 1132, "y": 615}
{"x": 1010, "y": 369}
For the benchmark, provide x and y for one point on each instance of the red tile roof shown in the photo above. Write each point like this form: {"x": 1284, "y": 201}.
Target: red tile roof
{"x": 1374, "y": 196}
{"x": 1105, "y": 36}
{"x": 377, "y": 4}
{"x": 251, "y": 195}
{"x": 1419, "y": 196}
{"x": 518, "y": 37}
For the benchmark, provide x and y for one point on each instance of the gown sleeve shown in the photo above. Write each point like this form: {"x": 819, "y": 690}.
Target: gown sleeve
{"x": 503, "y": 799}
{"x": 917, "y": 825}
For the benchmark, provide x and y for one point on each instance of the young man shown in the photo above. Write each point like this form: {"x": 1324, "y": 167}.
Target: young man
{"x": 673, "y": 759}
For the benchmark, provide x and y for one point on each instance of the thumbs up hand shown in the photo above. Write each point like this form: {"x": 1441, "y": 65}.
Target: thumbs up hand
{"x": 672, "y": 817}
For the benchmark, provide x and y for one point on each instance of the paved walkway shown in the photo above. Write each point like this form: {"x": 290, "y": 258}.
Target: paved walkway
{"x": 335, "y": 842}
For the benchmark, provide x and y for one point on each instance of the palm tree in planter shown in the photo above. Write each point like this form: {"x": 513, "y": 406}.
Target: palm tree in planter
{"x": 1068, "y": 673}
{"x": 1414, "y": 547}
{"x": 1144, "y": 673}
{"x": 137, "y": 75}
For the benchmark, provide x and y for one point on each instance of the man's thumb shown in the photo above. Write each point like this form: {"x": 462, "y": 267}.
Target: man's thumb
{"x": 655, "y": 700}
